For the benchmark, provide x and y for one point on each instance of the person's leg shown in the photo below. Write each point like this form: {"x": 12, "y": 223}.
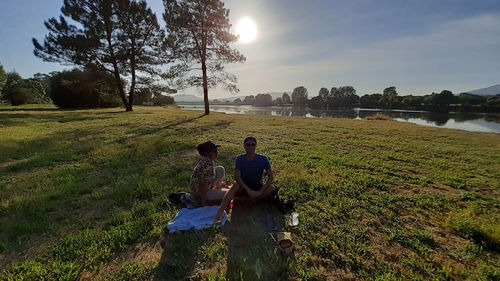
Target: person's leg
{"x": 225, "y": 202}
{"x": 220, "y": 172}
{"x": 268, "y": 194}
{"x": 241, "y": 198}
{"x": 215, "y": 196}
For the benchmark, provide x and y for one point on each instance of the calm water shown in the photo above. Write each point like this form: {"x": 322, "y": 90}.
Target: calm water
{"x": 475, "y": 122}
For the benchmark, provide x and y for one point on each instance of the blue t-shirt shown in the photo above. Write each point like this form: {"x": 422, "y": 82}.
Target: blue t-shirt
{"x": 251, "y": 171}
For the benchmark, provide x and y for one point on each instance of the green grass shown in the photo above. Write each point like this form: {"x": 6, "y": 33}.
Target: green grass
{"x": 83, "y": 194}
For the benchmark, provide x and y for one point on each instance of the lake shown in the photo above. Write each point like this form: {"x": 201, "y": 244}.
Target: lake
{"x": 474, "y": 122}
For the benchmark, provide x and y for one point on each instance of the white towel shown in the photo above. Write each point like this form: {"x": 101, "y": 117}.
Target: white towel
{"x": 197, "y": 219}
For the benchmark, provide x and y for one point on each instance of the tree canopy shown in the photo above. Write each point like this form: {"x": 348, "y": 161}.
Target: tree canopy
{"x": 299, "y": 96}
{"x": 199, "y": 31}
{"x": 121, "y": 37}
{"x": 3, "y": 79}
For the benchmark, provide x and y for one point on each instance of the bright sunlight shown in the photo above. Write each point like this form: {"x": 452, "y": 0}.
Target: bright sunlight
{"x": 247, "y": 30}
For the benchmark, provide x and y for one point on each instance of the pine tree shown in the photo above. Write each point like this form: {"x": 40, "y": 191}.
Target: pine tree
{"x": 199, "y": 30}
{"x": 121, "y": 37}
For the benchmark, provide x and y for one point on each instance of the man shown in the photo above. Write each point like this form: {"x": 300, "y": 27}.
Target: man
{"x": 249, "y": 188}
{"x": 248, "y": 174}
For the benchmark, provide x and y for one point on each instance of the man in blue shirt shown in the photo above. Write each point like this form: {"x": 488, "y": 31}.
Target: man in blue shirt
{"x": 249, "y": 188}
{"x": 248, "y": 174}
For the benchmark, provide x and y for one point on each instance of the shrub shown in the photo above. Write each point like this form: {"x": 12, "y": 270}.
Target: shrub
{"x": 163, "y": 100}
{"x": 378, "y": 116}
{"x": 83, "y": 89}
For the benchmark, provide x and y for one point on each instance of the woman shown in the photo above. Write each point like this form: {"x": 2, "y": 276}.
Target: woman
{"x": 207, "y": 186}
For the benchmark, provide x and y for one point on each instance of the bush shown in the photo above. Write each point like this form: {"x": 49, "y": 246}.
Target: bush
{"x": 84, "y": 89}
{"x": 163, "y": 100}
{"x": 378, "y": 116}
{"x": 20, "y": 91}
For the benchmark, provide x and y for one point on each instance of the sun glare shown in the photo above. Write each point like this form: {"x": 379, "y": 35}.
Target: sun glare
{"x": 247, "y": 30}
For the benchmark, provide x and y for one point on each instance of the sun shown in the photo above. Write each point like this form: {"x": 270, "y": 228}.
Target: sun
{"x": 247, "y": 30}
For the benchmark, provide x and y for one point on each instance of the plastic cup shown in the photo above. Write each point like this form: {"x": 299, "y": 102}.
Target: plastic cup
{"x": 294, "y": 219}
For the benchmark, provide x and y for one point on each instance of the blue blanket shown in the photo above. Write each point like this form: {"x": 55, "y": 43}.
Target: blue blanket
{"x": 197, "y": 219}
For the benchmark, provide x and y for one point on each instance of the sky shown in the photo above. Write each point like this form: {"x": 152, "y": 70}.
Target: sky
{"x": 418, "y": 46}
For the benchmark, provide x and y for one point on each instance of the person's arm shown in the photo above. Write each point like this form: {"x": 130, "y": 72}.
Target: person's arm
{"x": 237, "y": 176}
{"x": 269, "y": 180}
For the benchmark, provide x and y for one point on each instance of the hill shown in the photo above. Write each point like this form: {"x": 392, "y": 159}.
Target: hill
{"x": 488, "y": 91}
{"x": 187, "y": 98}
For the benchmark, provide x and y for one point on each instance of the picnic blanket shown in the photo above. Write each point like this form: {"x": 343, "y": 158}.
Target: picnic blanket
{"x": 197, "y": 219}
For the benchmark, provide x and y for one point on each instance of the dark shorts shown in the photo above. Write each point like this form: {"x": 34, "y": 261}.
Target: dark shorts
{"x": 255, "y": 187}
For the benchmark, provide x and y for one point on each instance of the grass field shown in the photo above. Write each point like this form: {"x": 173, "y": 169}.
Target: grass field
{"x": 83, "y": 194}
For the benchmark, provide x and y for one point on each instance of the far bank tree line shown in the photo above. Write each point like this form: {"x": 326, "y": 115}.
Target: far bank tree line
{"x": 345, "y": 98}
{"x": 124, "y": 55}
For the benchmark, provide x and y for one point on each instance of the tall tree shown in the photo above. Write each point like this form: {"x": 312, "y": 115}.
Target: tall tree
{"x": 286, "y": 98}
{"x": 389, "y": 98}
{"x": 299, "y": 96}
{"x": 323, "y": 97}
{"x": 200, "y": 33}
{"x": 121, "y": 37}
{"x": 3, "y": 79}
{"x": 263, "y": 100}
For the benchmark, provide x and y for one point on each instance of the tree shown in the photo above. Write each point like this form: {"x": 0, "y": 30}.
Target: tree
{"x": 412, "y": 102}
{"x": 370, "y": 101}
{"x": 286, "y": 98}
{"x": 162, "y": 100}
{"x": 342, "y": 97}
{"x": 263, "y": 100}
{"x": 323, "y": 97}
{"x": 470, "y": 99}
{"x": 249, "y": 100}
{"x": 316, "y": 103}
{"x": 200, "y": 34}
{"x": 143, "y": 96}
{"x": 389, "y": 98}
{"x": 439, "y": 102}
{"x": 121, "y": 37}
{"x": 3, "y": 80}
{"x": 84, "y": 89}
{"x": 299, "y": 97}
{"x": 278, "y": 101}
{"x": 237, "y": 101}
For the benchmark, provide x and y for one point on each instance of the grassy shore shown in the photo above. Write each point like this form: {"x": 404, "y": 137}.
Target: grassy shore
{"x": 84, "y": 195}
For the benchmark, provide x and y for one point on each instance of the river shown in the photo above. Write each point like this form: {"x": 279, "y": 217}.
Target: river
{"x": 474, "y": 122}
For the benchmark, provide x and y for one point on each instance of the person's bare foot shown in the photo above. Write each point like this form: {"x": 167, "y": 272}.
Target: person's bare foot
{"x": 218, "y": 218}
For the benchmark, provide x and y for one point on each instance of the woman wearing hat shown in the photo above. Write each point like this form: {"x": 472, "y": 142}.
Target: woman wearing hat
{"x": 207, "y": 186}
{"x": 206, "y": 176}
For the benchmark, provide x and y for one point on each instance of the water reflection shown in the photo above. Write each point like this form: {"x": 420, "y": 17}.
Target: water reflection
{"x": 477, "y": 122}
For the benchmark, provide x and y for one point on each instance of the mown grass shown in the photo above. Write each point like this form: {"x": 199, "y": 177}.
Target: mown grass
{"x": 84, "y": 195}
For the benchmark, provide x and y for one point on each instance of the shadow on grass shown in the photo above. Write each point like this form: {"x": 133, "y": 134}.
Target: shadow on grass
{"x": 147, "y": 131}
{"x": 10, "y": 109}
{"x": 180, "y": 251}
{"x": 253, "y": 254}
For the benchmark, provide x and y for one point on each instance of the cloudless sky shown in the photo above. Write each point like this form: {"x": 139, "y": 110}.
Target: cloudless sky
{"x": 419, "y": 46}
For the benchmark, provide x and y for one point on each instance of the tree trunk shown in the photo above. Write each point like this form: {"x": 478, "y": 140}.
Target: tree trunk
{"x": 205, "y": 87}
{"x": 132, "y": 86}
{"x": 128, "y": 107}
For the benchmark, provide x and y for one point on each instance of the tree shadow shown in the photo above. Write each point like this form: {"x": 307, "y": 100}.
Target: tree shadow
{"x": 147, "y": 131}
{"x": 253, "y": 253}
{"x": 10, "y": 109}
{"x": 180, "y": 251}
